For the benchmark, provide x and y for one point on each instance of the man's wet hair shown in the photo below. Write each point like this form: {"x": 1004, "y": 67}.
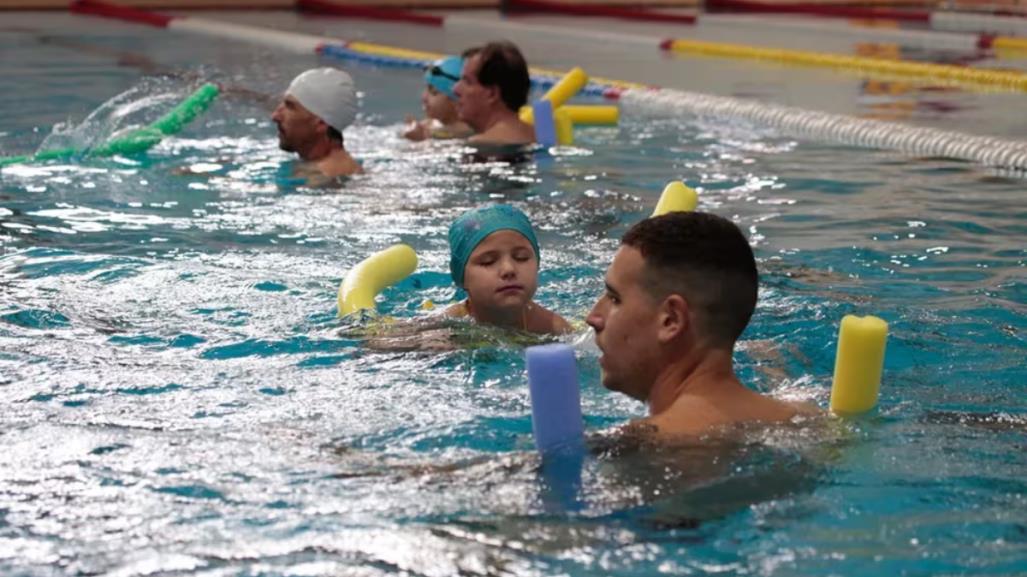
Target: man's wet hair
{"x": 707, "y": 260}
{"x": 503, "y": 65}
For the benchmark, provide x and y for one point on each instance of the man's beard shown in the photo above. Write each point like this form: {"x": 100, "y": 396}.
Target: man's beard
{"x": 285, "y": 144}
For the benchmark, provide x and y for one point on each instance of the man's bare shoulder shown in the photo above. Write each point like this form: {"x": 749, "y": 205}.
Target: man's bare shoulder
{"x": 690, "y": 415}
{"x": 339, "y": 163}
{"x": 700, "y": 415}
{"x": 506, "y": 133}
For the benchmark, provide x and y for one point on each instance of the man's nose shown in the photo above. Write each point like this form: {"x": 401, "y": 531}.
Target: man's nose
{"x": 595, "y": 319}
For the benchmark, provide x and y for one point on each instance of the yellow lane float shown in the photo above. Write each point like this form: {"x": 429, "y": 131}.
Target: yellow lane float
{"x": 1009, "y": 43}
{"x": 1013, "y": 80}
{"x": 372, "y": 275}
{"x": 676, "y": 197}
{"x": 858, "y": 364}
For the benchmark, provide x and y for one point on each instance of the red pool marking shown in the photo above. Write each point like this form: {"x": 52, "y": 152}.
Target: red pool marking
{"x": 817, "y": 10}
{"x": 597, "y": 10}
{"x": 368, "y": 12}
{"x": 118, "y": 12}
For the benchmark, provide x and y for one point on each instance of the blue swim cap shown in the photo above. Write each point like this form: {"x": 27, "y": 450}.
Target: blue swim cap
{"x": 467, "y": 232}
{"x": 444, "y": 73}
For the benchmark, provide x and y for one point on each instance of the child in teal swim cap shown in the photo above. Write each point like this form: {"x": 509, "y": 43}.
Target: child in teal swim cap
{"x": 494, "y": 257}
{"x": 439, "y": 103}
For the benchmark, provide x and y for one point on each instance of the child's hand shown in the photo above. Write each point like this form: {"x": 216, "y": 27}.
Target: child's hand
{"x": 418, "y": 132}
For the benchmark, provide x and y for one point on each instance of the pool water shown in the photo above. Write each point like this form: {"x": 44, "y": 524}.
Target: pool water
{"x": 180, "y": 398}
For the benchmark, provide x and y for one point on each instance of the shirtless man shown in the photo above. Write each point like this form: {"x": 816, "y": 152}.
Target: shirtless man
{"x": 679, "y": 293}
{"x": 318, "y": 105}
{"x": 493, "y": 87}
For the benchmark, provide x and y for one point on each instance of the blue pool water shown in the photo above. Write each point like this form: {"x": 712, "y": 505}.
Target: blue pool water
{"x": 178, "y": 397}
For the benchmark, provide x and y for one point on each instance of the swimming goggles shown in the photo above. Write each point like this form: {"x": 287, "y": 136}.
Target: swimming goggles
{"x": 435, "y": 70}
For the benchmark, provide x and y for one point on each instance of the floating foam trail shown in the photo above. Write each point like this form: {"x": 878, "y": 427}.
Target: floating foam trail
{"x": 835, "y": 128}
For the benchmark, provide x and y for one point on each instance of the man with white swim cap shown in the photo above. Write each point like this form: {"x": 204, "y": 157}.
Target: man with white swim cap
{"x": 493, "y": 86}
{"x": 680, "y": 291}
{"x": 318, "y": 105}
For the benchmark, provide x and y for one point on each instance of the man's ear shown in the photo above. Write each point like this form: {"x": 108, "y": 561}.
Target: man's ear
{"x": 674, "y": 318}
{"x": 494, "y": 93}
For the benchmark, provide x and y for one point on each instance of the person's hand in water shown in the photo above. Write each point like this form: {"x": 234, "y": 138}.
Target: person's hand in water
{"x": 413, "y": 336}
{"x": 416, "y": 130}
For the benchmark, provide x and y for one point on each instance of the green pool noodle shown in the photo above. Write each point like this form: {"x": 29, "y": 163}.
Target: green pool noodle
{"x": 142, "y": 139}
{"x": 132, "y": 143}
{"x": 14, "y": 160}
{"x": 45, "y": 155}
{"x": 184, "y": 113}
{"x": 171, "y": 123}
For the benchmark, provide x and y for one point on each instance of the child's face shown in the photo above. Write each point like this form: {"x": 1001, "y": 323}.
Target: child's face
{"x": 502, "y": 273}
{"x": 437, "y": 105}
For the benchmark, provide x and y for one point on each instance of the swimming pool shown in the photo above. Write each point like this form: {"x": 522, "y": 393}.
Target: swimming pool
{"x": 178, "y": 398}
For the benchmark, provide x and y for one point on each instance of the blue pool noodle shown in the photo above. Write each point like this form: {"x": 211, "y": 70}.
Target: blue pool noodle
{"x": 555, "y": 397}
{"x": 545, "y": 126}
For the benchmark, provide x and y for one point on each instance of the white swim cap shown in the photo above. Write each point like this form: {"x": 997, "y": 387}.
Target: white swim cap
{"x": 328, "y": 93}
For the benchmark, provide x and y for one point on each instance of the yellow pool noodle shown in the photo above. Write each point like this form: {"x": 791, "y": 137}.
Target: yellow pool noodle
{"x": 858, "y": 364}
{"x": 564, "y": 127}
{"x": 382, "y": 269}
{"x": 592, "y": 114}
{"x": 567, "y": 87}
{"x": 596, "y": 115}
{"x": 676, "y": 197}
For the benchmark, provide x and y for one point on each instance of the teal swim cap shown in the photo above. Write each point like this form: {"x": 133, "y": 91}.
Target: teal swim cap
{"x": 467, "y": 232}
{"x": 444, "y": 73}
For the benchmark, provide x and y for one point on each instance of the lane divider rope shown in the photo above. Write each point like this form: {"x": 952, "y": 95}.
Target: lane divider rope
{"x": 835, "y": 128}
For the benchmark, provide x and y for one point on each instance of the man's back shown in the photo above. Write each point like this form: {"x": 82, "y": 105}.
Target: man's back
{"x": 725, "y": 404}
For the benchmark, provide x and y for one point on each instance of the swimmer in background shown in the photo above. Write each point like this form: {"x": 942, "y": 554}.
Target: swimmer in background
{"x": 318, "y": 105}
{"x": 439, "y": 103}
{"x": 679, "y": 292}
{"x": 493, "y": 86}
{"x": 494, "y": 257}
